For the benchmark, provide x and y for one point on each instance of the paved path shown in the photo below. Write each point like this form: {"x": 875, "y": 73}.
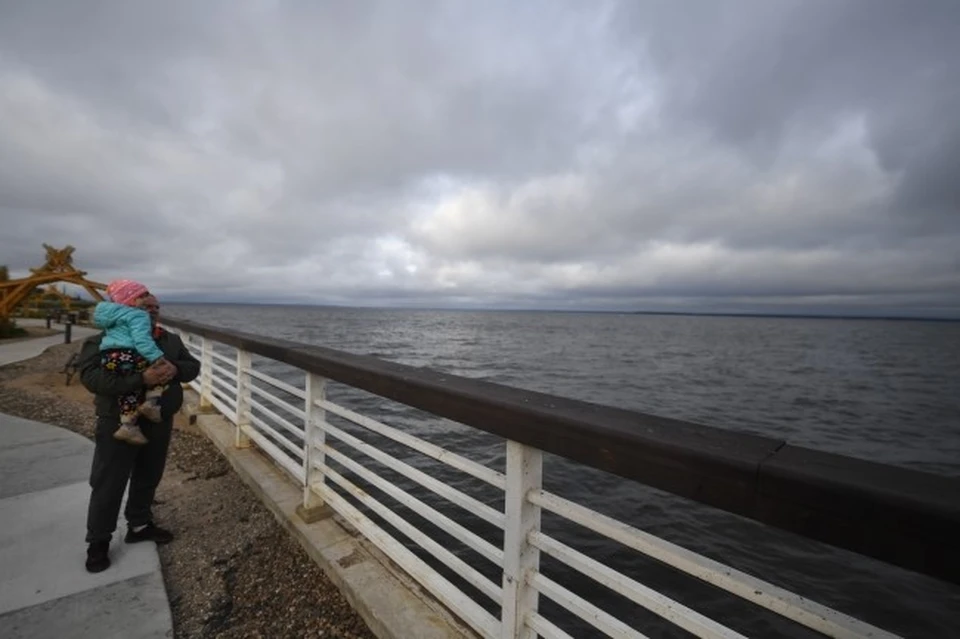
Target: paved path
{"x": 45, "y": 591}
{"x": 26, "y": 348}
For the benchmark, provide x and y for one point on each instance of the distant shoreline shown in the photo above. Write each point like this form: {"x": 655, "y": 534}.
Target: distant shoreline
{"x": 760, "y": 315}
{"x": 819, "y": 316}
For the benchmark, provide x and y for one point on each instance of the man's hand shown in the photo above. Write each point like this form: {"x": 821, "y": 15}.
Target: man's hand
{"x": 160, "y": 373}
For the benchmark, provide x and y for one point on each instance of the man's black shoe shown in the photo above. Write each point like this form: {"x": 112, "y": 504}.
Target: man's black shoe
{"x": 98, "y": 556}
{"x": 150, "y": 532}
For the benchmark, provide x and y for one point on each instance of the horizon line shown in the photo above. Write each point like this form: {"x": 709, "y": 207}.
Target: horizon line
{"x": 754, "y": 314}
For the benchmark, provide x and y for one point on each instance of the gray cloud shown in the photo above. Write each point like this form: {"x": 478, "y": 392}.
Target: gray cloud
{"x": 755, "y": 73}
{"x": 620, "y": 155}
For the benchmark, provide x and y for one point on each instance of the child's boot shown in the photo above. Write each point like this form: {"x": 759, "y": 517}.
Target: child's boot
{"x": 129, "y": 432}
{"x": 150, "y": 410}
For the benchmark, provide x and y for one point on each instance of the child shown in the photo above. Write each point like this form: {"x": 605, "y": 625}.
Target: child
{"x": 127, "y": 347}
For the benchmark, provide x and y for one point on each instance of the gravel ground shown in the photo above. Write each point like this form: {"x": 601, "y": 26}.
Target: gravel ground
{"x": 232, "y": 571}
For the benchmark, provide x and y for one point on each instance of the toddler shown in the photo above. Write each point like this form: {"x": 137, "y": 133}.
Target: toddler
{"x": 127, "y": 347}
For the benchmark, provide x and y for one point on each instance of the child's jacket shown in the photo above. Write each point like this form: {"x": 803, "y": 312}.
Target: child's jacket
{"x": 126, "y": 327}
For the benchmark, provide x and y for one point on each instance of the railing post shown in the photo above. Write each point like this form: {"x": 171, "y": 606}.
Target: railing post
{"x": 314, "y": 438}
{"x": 244, "y": 380}
{"x": 524, "y": 473}
{"x": 206, "y": 373}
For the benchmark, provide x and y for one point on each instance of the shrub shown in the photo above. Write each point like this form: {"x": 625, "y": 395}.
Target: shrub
{"x": 9, "y": 328}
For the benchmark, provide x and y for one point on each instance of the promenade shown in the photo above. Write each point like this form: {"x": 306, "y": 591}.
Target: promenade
{"x": 45, "y": 590}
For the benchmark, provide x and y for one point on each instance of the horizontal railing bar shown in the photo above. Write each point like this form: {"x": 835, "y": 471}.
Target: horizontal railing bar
{"x": 231, "y": 361}
{"x": 224, "y": 397}
{"x": 279, "y": 403}
{"x": 459, "y": 498}
{"x": 465, "y": 607}
{"x": 223, "y": 384}
{"x": 473, "y": 576}
{"x": 449, "y": 458}
{"x": 673, "y": 611}
{"x": 902, "y": 516}
{"x": 599, "y": 619}
{"x": 218, "y": 367}
{"x": 808, "y": 613}
{"x": 545, "y": 628}
{"x": 291, "y": 428}
{"x": 469, "y": 539}
{"x": 226, "y": 409}
{"x": 277, "y": 383}
{"x": 227, "y": 376}
{"x": 265, "y": 428}
{"x": 274, "y": 453}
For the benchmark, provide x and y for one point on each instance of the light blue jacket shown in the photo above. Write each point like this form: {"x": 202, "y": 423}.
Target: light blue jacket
{"x": 126, "y": 327}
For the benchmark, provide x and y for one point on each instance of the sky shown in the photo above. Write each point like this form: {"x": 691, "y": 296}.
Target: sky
{"x": 691, "y": 155}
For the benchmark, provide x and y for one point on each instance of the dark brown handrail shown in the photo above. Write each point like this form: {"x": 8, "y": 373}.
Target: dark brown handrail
{"x": 903, "y": 517}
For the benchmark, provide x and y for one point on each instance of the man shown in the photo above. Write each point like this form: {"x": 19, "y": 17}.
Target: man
{"x": 117, "y": 463}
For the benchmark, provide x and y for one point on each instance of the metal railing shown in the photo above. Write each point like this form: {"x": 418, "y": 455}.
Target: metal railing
{"x": 823, "y": 496}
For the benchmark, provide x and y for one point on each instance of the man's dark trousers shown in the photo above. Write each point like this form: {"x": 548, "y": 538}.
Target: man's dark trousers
{"x": 115, "y": 462}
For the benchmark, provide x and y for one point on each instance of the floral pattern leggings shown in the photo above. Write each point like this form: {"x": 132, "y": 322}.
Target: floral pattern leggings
{"x": 125, "y": 361}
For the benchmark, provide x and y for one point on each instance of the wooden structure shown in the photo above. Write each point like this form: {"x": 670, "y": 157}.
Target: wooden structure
{"x": 58, "y": 268}
{"x": 36, "y": 299}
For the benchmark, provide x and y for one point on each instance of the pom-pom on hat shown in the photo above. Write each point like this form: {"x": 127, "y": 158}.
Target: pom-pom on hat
{"x": 126, "y": 292}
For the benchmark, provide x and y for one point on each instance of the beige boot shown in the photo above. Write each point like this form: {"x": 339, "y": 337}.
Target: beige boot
{"x": 150, "y": 410}
{"x": 131, "y": 434}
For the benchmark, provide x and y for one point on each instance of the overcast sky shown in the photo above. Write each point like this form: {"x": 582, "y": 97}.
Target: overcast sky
{"x": 753, "y": 155}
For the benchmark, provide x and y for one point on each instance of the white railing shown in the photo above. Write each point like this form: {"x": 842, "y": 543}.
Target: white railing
{"x": 292, "y": 426}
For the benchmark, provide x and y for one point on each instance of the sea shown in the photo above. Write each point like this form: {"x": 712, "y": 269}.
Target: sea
{"x": 881, "y": 390}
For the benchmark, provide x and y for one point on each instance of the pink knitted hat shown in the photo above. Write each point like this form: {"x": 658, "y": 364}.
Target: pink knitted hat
{"x": 126, "y": 292}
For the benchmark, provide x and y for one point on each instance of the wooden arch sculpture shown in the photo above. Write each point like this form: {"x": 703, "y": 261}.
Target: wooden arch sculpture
{"x": 58, "y": 268}
{"x": 38, "y": 296}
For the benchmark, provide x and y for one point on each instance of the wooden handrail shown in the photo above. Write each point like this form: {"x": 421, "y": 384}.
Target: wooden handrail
{"x": 900, "y": 516}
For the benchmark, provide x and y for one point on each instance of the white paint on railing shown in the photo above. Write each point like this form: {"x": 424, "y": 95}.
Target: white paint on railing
{"x": 244, "y": 398}
{"x": 461, "y": 499}
{"x": 523, "y": 500}
{"x": 214, "y": 400}
{"x": 449, "y": 458}
{"x": 762, "y": 593}
{"x": 287, "y": 425}
{"x": 229, "y": 361}
{"x": 546, "y": 628}
{"x": 226, "y": 384}
{"x": 314, "y": 439}
{"x": 224, "y": 374}
{"x": 521, "y": 559}
{"x": 266, "y": 429}
{"x": 206, "y": 372}
{"x": 445, "y": 592}
{"x": 599, "y": 619}
{"x": 462, "y": 568}
{"x": 278, "y": 456}
{"x": 264, "y": 393}
{"x": 278, "y": 383}
{"x": 674, "y": 612}
{"x": 452, "y": 528}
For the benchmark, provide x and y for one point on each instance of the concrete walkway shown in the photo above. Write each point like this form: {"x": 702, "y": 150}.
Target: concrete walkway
{"x": 22, "y": 349}
{"x": 45, "y": 591}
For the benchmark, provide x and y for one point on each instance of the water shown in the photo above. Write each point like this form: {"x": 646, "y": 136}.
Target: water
{"x": 887, "y": 391}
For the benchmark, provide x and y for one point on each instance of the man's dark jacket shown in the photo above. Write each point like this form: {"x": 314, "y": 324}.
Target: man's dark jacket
{"x": 108, "y": 386}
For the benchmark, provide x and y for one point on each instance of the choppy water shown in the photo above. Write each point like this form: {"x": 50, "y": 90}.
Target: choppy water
{"x": 888, "y": 391}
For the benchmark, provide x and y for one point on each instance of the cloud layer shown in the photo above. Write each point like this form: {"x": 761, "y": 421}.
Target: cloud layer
{"x": 662, "y": 155}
